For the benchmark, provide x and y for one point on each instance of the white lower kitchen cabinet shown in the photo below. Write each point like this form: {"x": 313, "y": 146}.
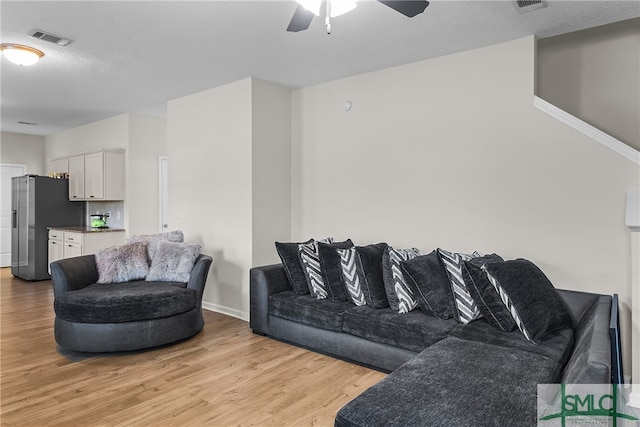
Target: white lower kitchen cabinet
{"x": 76, "y": 241}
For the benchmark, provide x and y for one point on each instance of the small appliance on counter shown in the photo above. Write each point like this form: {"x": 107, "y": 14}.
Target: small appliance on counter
{"x": 99, "y": 220}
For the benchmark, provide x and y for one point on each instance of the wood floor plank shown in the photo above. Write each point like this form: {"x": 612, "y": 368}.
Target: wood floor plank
{"x": 224, "y": 376}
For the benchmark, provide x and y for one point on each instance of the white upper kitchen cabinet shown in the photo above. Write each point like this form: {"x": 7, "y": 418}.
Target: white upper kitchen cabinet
{"x": 97, "y": 176}
{"x": 76, "y": 178}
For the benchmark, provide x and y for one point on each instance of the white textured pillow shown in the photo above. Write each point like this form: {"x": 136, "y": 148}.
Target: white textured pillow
{"x": 153, "y": 239}
{"x": 172, "y": 262}
{"x": 172, "y": 236}
{"x": 122, "y": 263}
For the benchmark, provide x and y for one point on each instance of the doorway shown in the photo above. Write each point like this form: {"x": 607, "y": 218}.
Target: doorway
{"x": 163, "y": 196}
{"x": 7, "y": 171}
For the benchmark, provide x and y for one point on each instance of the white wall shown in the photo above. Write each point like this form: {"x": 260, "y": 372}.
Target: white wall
{"x": 209, "y": 146}
{"x": 229, "y": 176}
{"x": 23, "y": 149}
{"x": 108, "y": 133}
{"x": 147, "y": 141}
{"x": 144, "y": 139}
{"x": 451, "y": 153}
{"x": 271, "y": 170}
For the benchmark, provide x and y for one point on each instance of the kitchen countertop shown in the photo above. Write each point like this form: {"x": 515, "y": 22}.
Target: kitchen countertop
{"x": 84, "y": 229}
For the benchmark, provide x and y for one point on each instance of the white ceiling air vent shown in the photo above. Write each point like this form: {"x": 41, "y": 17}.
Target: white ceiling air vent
{"x": 48, "y": 37}
{"x": 523, "y": 6}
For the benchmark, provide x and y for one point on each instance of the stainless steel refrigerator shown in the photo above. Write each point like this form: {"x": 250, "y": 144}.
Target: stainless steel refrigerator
{"x": 38, "y": 202}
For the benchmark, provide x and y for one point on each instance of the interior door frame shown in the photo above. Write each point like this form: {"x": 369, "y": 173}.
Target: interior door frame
{"x": 163, "y": 193}
{"x": 6, "y": 198}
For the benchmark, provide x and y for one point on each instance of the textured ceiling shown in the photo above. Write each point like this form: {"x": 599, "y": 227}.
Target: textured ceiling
{"x": 133, "y": 56}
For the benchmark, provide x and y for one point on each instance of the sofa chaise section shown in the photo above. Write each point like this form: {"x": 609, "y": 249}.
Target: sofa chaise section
{"x": 455, "y": 383}
{"x": 479, "y": 376}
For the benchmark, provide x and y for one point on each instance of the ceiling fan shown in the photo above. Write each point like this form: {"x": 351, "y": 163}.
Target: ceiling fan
{"x": 307, "y": 9}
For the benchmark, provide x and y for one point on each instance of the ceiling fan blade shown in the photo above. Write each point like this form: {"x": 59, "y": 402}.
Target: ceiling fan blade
{"x": 409, "y": 8}
{"x": 301, "y": 19}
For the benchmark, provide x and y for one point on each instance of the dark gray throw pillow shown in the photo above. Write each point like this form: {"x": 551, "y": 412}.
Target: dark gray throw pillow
{"x": 331, "y": 270}
{"x": 373, "y": 281}
{"x": 534, "y": 304}
{"x": 288, "y": 253}
{"x": 429, "y": 281}
{"x": 485, "y": 295}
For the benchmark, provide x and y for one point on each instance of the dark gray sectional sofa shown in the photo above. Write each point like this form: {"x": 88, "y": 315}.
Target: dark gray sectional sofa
{"x": 442, "y": 372}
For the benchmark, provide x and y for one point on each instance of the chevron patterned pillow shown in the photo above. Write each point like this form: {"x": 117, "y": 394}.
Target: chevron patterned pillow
{"x": 310, "y": 260}
{"x": 466, "y": 307}
{"x": 399, "y": 294}
{"x": 350, "y": 265}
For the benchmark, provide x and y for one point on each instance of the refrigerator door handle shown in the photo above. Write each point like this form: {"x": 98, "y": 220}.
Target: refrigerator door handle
{"x": 14, "y": 218}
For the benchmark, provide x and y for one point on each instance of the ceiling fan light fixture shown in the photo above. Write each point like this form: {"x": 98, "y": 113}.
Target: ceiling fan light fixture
{"x": 20, "y": 54}
{"x": 339, "y": 7}
{"x": 312, "y": 6}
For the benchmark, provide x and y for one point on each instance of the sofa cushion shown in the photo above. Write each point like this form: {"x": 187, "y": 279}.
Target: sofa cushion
{"x": 533, "y": 302}
{"x": 125, "y": 302}
{"x": 372, "y": 281}
{"x": 122, "y": 263}
{"x": 557, "y": 345}
{"x": 324, "y": 314}
{"x": 455, "y": 383}
{"x": 400, "y": 296}
{"x": 331, "y": 270}
{"x": 413, "y": 331}
{"x": 428, "y": 279}
{"x": 288, "y": 253}
{"x": 487, "y": 297}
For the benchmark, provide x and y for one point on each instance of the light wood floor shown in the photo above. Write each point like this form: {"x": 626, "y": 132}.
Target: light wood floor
{"x": 224, "y": 376}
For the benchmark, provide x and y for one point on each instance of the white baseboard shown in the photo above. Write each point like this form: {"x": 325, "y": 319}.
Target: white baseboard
{"x": 226, "y": 310}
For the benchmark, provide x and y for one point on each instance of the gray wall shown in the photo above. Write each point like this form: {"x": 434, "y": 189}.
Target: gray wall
{"x": 595, "y": 75}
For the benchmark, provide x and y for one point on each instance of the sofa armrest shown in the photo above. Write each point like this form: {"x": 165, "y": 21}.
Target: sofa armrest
{"x": 590, "y": 362}
{"x": 264, "y": 281}
{"x": 617, "y": 376}
{"x": 75, "y": 273}
{"x": 199, "y": 273}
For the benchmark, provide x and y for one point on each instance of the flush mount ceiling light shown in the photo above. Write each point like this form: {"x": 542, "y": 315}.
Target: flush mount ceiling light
{"x": 20, "y": 54}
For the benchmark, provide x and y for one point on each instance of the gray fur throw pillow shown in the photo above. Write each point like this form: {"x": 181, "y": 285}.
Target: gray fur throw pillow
{"x": 172, "y": 262}
{"x": 153, "y": 239}
{"x": 122, "y": 263}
